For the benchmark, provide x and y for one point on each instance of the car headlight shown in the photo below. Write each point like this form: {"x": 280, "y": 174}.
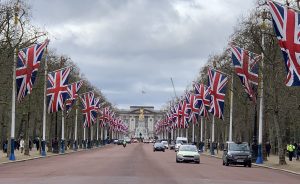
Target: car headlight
{"x": 179, "y": 155}
{"x": 230, "y": 156}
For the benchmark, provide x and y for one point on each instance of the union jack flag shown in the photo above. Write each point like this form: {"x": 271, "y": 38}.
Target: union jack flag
{"x": 193, "y": 109}
{"x": 27, "y": 67}
{"x": 88, "y": 108}
{"x": 184, "y": 114}
{"x": 57, "y": 89}
{"x": 246, "y": 67}
{"x": 177, "y": 115}
{"x": 217, "y": 89}
{"x": 286, "y": 24}
{"x": 73, "y": 90}
{"x": 202, "y": 98}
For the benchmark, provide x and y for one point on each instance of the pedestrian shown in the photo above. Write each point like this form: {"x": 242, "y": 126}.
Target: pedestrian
{"x": 298, "y": 151}
{"x": 22, "y": 142}
{"x": 30, "y": 144}
{"x": 295, "y": 150}
{"x": 290, "y": 148}
{"x": 268, "y": 148}
{"x": 37, "y": 142}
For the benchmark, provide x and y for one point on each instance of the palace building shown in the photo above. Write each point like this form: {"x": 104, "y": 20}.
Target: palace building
{"x": 140, "y": 120}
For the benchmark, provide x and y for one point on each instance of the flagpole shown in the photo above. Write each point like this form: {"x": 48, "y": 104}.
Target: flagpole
{"x": 43, "y": 153}
{"x": 75, "y": 129}
{"x": 97, "y": 132}
{"x": 193, "y": 134}
{"x": 212, "y": 151}
{"x": 84, "y": 143}
{"x": 259, "y": 159}
{"x": 101, "y": 136}
{"x": 62, "y": 132}
{"x": 92, "y": 131}
{"x": 231, "y": 109}
{"x": 13, "y": 99}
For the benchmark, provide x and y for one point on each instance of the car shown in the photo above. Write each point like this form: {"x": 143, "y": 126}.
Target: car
{"x": 188, "y": 153}
{"x": 180, "y": 141}
{"x": 165, "y": 143}
{"x": 146, "y": 141}
{"x": 116, "y": 141}
{"x": 158, "y": 147}
{"x": 172, "y": 145}
{"x": 237, "y": 154}
{"x": 134, "y": 141}
{"x": 120, "y": 142}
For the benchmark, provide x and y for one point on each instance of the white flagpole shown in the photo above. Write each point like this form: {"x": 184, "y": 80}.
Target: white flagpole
{"x": 201, "y": 132}
{"x": 187, "y": 133}
{"x": 62, "y": 132}
{"x": 92, "y": 132}
{"x": 75, "y": 129}
{"x": 212, "y": 151}
{"x": 97, "y": 132}
{"x": 101, "y": 136}
{"x": 259, "y": 159}
{"x": 43, "y": 152}
{"x": 84, "y": 138}
{"x": 13, "y": 99}
{"x": 231, "y": 110}
{"x": 193, "y": 138}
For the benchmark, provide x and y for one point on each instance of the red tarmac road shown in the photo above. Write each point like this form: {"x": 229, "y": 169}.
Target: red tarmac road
{"x": 135, "y": 164}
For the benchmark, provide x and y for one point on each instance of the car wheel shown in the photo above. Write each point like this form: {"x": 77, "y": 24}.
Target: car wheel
{"x": 223, "y": 162}
{"x": 177, "y": 161}
{"x": 250, "y": 164}
{"x": 245, "y": 165}
{"x": 153, "y": 150}
{"x": 198, "y": 162}
{"x": 226, "y": 163}
{"x": 163, "y": 150}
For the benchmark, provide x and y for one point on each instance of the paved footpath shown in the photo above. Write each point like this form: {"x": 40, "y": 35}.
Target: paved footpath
{"x": 135, "y": 164}
{"x": 272, "y": 162}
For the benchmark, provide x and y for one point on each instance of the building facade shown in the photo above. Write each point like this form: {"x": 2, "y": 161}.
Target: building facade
{"x": 140, "y": 120}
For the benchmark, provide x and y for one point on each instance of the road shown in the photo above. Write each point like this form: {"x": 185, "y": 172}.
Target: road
{"x": 135, "y": 164}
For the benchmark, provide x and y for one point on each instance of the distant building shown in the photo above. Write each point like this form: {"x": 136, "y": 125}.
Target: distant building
{"x": 140, "y": 120}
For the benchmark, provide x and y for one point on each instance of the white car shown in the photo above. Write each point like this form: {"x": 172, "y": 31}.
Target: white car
{"x": 180, "y": 141}
{"x": 165, "y": 143}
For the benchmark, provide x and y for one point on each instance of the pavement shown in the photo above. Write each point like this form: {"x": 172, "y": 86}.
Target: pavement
{"x": 135, "y": 164}
{"x": 34, "y": 154}
{"x": 272, "y": 163}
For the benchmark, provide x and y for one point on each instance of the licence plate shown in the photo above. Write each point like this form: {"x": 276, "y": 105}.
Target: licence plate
{"x": 240, "y": 160}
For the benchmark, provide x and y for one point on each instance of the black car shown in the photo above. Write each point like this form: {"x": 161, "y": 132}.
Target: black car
{"x": 120, "y": 142}
{"x": 158, "y": 147}
{"x": 172, "y": 145}
{"x": 237, "y": 154}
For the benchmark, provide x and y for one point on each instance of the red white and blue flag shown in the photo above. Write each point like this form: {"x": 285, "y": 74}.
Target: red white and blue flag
{"x": 28, "y": 63}
{"x": 286, "y": 24}
{"x": 193, "y": 107}
{"x": 184, "y": 114}
{"x": 57, "y": 89}
{"x": 202, "y": 98}
{"x": 217, "y": 89}
{"x": 88, "y": 109}
{"x": 246, "y": 67}
{"x": 73, "y": 90}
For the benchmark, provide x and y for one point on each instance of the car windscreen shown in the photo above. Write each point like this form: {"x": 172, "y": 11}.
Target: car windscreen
{"x": 188, "y": 148}
{"x": 181, "y": 142}
{"x": 158, "y": 144}
{"x": 238, "y": 147}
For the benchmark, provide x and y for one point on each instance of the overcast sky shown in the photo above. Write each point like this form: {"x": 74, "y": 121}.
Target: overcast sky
{"x": 125, "y": 47}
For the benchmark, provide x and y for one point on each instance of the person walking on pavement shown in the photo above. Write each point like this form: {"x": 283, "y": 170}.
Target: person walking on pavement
{"x": 268, "y": 148}
{"x": 290, "y": 148}
{"x": 298, "y": 151}
{"x": 22, "y": 142}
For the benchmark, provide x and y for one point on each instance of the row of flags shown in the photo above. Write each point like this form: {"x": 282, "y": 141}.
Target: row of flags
{"x": 60, "y": 94}
{"x": 197, "y": 103}
{"x": 210, "y": 98}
